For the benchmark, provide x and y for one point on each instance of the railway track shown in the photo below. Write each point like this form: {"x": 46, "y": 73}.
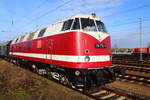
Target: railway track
{"x": 135, "y": 79}
{"x": 141, "y": 78}
{"x": 133, "y": 68}
{"x": 131, "y": 59}
{"x": 107, "y": 93}
{"x": 133, "y": 64}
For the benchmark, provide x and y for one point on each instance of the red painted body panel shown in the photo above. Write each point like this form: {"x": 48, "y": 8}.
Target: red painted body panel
{"x": 148, "y": 50}
{"x": 143, "y": 50}
{"x": 70, "y": 43}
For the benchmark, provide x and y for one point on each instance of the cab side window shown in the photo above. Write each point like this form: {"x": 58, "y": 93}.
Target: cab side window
{"x": 67, "y": 25}
{"x": 21, "y": 39}
{"x": 16, "y": 40}
{"x": 41, "y": 33}
{"x": 76, "y": 24}
{"x": 30, "y": 37}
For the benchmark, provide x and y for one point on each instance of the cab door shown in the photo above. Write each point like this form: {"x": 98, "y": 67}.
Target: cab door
{"x": 49, "y": 50}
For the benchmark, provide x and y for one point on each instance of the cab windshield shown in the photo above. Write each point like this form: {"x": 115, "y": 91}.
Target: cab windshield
{"x": 101, "y": 26}
{"x": 88, "y": 24}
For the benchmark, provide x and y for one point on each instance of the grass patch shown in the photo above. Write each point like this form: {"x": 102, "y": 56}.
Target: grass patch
{"x": 15, "y": 95}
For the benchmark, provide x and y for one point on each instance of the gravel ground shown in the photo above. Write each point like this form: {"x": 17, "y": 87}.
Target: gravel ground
{"x": 20, "y": 84}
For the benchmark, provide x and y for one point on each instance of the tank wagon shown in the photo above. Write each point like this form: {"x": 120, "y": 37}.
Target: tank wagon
{"x": 75, "y": 51}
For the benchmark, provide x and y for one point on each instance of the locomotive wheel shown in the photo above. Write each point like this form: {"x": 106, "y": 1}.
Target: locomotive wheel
{"x": 33, "y": 68}
{"x": 37, "y": 70}
{"x": 64, "y": 80}
{"x": 18, "y": 63}
{"x": 49, "y": 76}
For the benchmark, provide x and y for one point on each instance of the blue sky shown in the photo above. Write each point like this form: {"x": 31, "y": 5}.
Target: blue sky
{"x": 121, "y": 17}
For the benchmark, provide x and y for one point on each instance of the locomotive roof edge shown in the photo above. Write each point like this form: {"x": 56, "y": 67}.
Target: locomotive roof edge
{"x": 82, "y": 15}
{"x": 91, "y": 16}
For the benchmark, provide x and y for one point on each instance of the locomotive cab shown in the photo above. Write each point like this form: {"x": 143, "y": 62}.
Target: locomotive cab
{"x": 85, "y": 24}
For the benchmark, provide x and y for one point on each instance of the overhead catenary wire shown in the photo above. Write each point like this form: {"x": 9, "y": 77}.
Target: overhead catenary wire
{"x": 126, "y": 29}
{"x": 52, "y": 10}
{"x": 132, "y": 22}
{"x": 130, "y": 19}
{"x": 35, "y": 9}
{"x": 48, "y": 12}
{"x": 27, "y": 15}
{"x": 23, "y": 17}
{"x": 8, "y": 31}
{"x": 128, "y": 10}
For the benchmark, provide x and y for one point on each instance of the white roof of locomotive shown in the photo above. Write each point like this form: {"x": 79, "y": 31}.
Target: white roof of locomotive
{"x": 91, "y": 16}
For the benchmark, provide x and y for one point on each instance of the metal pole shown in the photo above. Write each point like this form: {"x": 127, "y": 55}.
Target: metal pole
{"x": 141, "y": 56}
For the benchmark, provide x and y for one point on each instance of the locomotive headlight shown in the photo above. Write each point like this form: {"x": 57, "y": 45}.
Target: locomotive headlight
{"x": 77, "y": 73}
{"x": 87, "y": 59}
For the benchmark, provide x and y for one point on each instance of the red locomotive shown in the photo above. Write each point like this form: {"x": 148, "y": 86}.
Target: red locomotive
{"x": 75, "y": 51}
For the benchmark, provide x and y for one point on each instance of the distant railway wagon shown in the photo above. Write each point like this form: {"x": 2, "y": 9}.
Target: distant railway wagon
{"x": 75, "y": 50}
{"x": 130, "y": 51}
{"x": 142, "y": 50}
{"x": 4, "y": 48}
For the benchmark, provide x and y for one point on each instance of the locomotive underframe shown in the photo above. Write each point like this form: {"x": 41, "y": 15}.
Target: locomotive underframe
{"x": 84, "y": 79}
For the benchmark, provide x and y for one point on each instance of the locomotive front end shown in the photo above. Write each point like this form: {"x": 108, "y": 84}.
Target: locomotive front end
{"x": 92, "y": 45}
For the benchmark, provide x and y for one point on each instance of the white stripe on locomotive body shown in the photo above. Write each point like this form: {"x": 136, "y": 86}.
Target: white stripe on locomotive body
{"x": 98, "y": 35}
{"x": 67, "y": 58}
